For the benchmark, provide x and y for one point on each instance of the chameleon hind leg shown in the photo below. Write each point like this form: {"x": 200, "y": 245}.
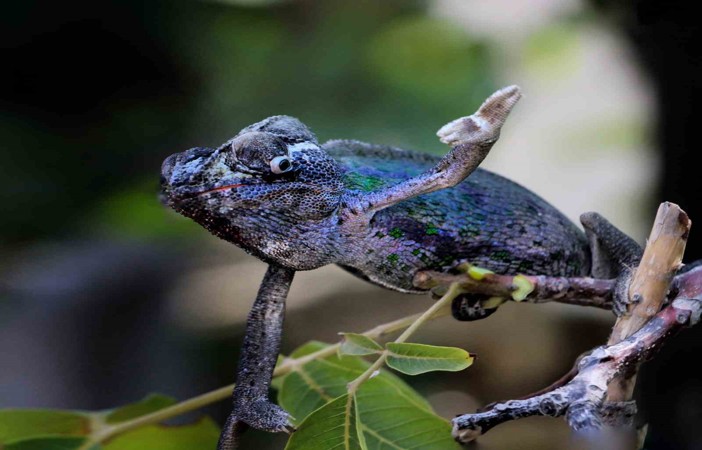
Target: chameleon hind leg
{"x": 614, "y": 255}
{"x": 469, "y": 307}
{"x": 259, "y": 354}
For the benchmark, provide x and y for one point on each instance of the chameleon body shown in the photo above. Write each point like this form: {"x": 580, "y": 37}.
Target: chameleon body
{"x": 486, "y": 220}
{"x": 380, "y": 212}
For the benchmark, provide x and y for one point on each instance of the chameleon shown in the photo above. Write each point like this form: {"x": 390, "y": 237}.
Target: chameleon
{"x": 382, "y": 213}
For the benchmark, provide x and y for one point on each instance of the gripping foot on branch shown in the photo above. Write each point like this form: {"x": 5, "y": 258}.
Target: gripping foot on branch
{"x": 614, "y": 255}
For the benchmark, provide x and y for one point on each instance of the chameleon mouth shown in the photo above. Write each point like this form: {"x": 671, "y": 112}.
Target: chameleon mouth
{"x": 221, "y": 189}
{"x": 185, "y": 194}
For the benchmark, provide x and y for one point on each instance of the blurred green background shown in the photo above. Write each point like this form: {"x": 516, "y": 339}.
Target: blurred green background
{"x": 105, "y": 295}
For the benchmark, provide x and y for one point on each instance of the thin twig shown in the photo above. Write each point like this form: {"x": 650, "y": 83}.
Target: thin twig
{"x": 440, "y": 305}
{"x": 575, "y": 291}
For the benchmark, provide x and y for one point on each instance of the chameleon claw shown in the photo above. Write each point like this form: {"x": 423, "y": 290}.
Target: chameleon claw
{"x": 622, "y": 301}
{"x": 263, "y": 415}
{"x": 260, "y": 414}
{"x": 486, "y": 123}
{"x": 498, "y": 106}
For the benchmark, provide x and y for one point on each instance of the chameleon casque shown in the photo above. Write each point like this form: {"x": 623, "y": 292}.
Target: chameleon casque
{"x": 382, "y": 213}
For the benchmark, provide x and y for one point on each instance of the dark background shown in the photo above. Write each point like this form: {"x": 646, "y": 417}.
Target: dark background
{"x": 106, "y": 296}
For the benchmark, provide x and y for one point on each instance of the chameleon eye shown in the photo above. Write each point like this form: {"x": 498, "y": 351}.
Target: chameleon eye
{"x": 280, "y": 164}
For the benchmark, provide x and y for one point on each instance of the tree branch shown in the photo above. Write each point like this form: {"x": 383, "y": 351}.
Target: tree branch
{"x": 573, "y": 291}
{"x": 582, "y": 398}
{"x": 599, "y": 394}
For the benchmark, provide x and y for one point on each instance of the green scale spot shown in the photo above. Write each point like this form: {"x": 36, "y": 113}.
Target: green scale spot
{"x": 416, "y": 251}
{"x": 396, "y": 233}
{"x": 393, "y": 258}
{"x": 431, "y": 230}
{"x": 364, "y": 183}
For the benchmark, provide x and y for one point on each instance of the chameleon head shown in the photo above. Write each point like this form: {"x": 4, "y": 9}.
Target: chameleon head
{"x": 262, "y": 190}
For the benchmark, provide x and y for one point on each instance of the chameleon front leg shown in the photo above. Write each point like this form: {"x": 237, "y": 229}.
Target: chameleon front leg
{"x": 258, "y": 358}
{"x": 471, "y": 138}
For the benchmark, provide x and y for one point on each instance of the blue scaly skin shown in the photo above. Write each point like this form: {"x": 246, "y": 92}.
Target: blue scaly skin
{"x": 380, "y": 212}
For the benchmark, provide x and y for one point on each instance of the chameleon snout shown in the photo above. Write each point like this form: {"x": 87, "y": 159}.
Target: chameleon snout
{"x": 167, "y": 169}
{"x": 184, "y": 168}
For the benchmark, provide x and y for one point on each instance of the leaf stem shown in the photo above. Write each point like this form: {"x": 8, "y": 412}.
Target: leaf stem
{"x": 453, "y": 291}
{"x": 183, "y": 407}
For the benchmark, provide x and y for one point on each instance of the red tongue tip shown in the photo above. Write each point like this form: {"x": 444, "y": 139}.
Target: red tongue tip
{"x": 222, "y": 188}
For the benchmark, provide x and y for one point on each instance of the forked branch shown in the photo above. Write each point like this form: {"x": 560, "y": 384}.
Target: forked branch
{"x": 599, "y": 394}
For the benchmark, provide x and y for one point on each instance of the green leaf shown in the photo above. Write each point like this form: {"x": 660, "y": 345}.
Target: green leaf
{"x": 391, "y": 421}
{"x": 414, "y": 359}
{"x": 383, "y": 417}
{"x": 308, "y": 348}
{"x": 358, "y": 344}
{"x": 67, "y": 430}
{"x": 388, "y": 413}
{"x": 317, "y": 383}
{"x": 321, "y": 381}
{"x": 18, "y": 424}
{"x": 202, "y": 434}
{"x": 334, "y": 425}
{"x": 151, "y": 403}
{"x": 46, "y": 443}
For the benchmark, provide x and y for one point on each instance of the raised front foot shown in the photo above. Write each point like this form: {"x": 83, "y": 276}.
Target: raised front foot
{"x": 484, "y": 126}
{"x": 470, "y": 138}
